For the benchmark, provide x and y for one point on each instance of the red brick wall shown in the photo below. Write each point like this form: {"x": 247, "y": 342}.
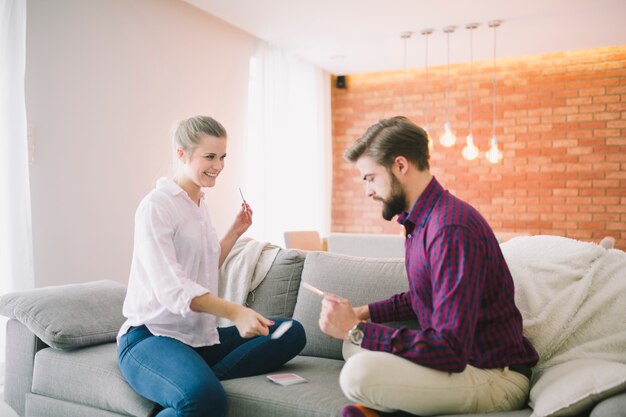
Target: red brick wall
{"x": 561, "y": 122}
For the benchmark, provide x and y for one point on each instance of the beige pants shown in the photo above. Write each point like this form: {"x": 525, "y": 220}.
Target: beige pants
{"x": 386, "y": 382}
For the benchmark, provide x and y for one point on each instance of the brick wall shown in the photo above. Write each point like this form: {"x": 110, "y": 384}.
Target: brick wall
{"x": 561, "y": 123}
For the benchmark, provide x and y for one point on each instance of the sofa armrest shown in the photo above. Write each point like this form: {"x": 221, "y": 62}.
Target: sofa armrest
{"x": 22, "y": 345}
{"x": 69, "y": 316}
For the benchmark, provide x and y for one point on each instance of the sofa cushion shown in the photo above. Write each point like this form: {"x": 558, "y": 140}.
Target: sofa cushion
{"x": 40, "y": 406}
{"x": 69, "y": 316}
{"x": 360, "y": 280}
{"x": 90, "y": 377}
{"x": 525, "y": 412}
{"x": 276, "y": 295}
{"x": 573, "y": 387}
{"x": 614, "y": 406}
{"x": 320, "y": 397}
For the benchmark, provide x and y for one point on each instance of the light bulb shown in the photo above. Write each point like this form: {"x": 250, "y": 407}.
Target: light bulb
{"x": 493, "y": 155}
{"x": 447, "y": 139}
{"x": 470, "y": 151}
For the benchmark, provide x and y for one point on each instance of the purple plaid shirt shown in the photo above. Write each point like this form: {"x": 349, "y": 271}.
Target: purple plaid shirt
{"x": 460, "y": 291}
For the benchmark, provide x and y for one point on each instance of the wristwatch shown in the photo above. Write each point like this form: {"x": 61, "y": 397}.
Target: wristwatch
{"x": 355, "y": 334}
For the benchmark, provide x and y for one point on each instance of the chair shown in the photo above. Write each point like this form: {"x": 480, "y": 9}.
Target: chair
{"x": 303, "y": 240}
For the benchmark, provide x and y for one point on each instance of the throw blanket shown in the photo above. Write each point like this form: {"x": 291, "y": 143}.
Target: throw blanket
{"x": 572, "y": 296}
{"x": 243, "y": 270}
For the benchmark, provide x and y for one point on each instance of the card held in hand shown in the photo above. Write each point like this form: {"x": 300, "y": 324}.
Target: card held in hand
{"x": 287, "y": 379}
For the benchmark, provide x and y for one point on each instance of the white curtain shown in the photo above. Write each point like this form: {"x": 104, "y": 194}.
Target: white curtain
{"x": 287, "y": 173}
{"x": 16, "y": 248}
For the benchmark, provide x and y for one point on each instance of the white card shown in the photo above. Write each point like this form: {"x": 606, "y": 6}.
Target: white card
{"x": 281, "y": 329}
{"x": 312, "y": 288}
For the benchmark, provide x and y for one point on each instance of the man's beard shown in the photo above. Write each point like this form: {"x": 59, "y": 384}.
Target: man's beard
{"x": 396, "y": 202}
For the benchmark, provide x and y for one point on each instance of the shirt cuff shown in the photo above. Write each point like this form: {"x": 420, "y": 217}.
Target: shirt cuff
{"x": 191, "y": 291}
{"x": 377, "y": 337}
{"x": 379, "y": 311}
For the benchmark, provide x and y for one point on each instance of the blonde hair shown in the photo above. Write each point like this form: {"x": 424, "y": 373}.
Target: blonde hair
{"x": 189, "y": 131}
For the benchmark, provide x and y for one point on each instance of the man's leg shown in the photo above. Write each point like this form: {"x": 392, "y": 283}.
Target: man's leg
{"x": 386, "y": 382}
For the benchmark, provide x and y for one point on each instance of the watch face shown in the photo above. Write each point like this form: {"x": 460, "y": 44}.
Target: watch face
{"x": 356, "y": 335}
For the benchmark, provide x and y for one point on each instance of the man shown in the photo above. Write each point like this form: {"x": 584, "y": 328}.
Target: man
{"x": 469, "y": 355}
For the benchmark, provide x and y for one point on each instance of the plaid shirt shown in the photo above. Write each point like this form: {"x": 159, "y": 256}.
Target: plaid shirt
{"x": 460, "y": 291}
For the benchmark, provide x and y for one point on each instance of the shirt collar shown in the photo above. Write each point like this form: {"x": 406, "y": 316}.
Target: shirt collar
{"x": 169, "y": 185}
{"x": 423, "y": 206}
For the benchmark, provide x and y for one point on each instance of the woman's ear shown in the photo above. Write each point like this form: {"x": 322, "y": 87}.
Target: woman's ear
{"x": 180, "y": 153}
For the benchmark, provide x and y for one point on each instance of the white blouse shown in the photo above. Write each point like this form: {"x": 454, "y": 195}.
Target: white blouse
{"x": 175, "y": 259}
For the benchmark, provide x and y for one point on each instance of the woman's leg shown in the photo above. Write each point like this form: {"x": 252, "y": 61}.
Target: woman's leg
{"x": 236, "y": 357}
{"x": 171, "y": 374}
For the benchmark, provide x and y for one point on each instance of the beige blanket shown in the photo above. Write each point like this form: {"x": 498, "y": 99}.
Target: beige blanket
{"x": 572, "y": 296}
{"x": 243, "y": 270}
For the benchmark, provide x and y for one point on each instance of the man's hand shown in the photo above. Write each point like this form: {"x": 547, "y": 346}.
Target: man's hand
{"x": 337, "y": 316}
{"x": 362, "y": 312}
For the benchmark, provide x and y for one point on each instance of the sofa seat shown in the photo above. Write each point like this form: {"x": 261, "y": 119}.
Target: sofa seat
{"x": 321, "y": 396}
{"x": 88, "y": 376}
{"x": 91, "y": 378}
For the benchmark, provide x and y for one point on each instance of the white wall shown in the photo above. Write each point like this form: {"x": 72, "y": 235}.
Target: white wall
{"x": 105, "y": 81}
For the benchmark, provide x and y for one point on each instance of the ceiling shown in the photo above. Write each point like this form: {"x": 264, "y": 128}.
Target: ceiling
{"x": 358, "y": 36}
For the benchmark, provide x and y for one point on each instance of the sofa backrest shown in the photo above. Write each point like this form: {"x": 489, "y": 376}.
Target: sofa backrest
{"x": 360, "y": 280}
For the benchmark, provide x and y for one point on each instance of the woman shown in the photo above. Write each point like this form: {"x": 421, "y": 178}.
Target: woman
{"x": 170, "y": 349}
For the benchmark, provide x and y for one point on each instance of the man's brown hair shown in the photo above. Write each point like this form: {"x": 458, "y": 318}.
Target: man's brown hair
{"x": 389, "y": 138}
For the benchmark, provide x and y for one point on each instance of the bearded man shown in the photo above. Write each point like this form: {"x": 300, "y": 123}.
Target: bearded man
{"x": 469, "y": 354}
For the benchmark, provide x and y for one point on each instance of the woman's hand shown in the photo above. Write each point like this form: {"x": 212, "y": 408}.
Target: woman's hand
{"x": 243, "y": 220}
{"x": 241, "y": 224}
{"x": 250, "y": 323}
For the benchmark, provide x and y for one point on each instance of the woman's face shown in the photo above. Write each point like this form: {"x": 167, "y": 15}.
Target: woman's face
{"x": 205, "y": 162}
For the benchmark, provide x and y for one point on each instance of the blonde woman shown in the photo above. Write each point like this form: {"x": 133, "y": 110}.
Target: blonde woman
{"x": 170, "y": 349}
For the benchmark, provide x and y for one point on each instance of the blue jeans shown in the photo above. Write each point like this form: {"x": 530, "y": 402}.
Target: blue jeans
{"x": 185, "y": 381}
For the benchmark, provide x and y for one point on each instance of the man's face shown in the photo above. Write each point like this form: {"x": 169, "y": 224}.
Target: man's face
{"x": 382, "y": 186}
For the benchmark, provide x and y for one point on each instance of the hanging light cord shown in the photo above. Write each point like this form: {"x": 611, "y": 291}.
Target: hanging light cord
{"x": 405, "y": 36}
{"x": 495, "y": 84}
{"x": 471, "y": 77}
{"x": 426, "y": 90}
{"x": 448, "y": 76}
{"x": 405, "y": 80}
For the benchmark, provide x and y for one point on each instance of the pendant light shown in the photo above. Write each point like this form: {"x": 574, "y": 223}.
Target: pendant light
{"x": 405, "y": 37}
{"x": 426, "y": 33}
{"x": 470, "y": 151}
{"x": 447, "y": 138}
{"x": 494, "y": 155}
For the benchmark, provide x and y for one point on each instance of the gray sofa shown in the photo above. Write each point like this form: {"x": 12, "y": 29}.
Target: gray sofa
{"x": 61, "y": 351}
